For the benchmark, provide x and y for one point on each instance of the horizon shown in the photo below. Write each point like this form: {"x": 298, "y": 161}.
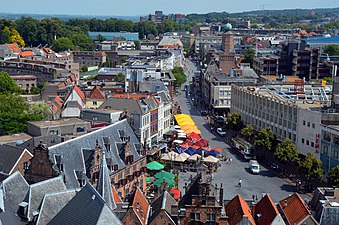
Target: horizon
{"x": 87, "y": 8}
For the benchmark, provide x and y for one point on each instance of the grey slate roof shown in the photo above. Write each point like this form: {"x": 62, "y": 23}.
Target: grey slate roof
{"x": 7, "y": 214}
{"x": 86, "y": 208}
{"x": 38, "y": 190}
{"x": 163, "y": 202}
{"x": 164, "y": 96}
{"x": 72, "y": 150}
{"x": 132, "y": 105}
{"x": 52, "y": 204}
{"x": 9, "y": 155}
{"x": 15, "y": 189}
{"x": 104, "y": 186}
{"x": 35, "y": 141}
{"x": 152, "y": 86}
{"x": 150, "y": 102}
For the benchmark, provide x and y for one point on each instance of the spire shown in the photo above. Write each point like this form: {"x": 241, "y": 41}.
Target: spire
{"x": 104, "y": 186}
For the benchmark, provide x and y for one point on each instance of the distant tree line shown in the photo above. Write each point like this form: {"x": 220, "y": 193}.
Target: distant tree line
{"x": 74, "y": 32}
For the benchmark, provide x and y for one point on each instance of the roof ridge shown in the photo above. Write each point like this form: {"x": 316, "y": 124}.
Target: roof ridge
{"x": 85, "y": 135}
{"x": 46, "y": 181}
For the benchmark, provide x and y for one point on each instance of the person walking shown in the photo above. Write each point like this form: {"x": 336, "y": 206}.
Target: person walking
{"x": 239, "y": 183}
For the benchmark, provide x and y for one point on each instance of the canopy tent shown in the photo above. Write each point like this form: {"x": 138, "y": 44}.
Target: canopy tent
{"x": 176, "y": 127}
{"x": 194, "y": 136}
{"x": 178, "y": 141}
{"x": 165, "y": 175}
{"x": 210, "y": 159}
{"x": 190, "y": 151}
{"x": 211, "y": 153}
{"x": 217, "y": 149}
{"x": 180, "y": 131}
{"x": 188, "y": 142}
{"x": 148, "y": 180}
{"x": 181, "y": 157}
{"x": 190, "y": 130}
{"x": 176, "y": 194}
{"x": 180, "y": 149}
{"x": 154, "y": 166}
{"x": 194, "y": 157}
{"x": 169, "y": 156}
{"x": 158, "y": 182}
{"x": 183, "y": 119}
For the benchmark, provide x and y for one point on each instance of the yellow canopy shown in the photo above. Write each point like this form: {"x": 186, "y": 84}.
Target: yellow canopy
{"x": 192, "y": 130}
{"x": 183, "y": 119}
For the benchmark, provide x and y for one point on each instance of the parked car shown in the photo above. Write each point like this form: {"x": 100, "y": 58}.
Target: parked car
{"x": 254, "y": 167}
{"x": 221, "y": 132}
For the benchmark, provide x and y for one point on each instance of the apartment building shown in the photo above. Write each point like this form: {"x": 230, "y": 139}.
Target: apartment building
{"x": 291, "y": 111}
{"x": 89, "y": 58}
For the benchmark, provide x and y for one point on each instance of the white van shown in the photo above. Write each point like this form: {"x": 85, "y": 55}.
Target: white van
{"x": 254, "y": 167}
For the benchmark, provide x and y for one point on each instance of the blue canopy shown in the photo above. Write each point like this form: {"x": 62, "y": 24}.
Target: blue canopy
{"x": 212, "y": 153}
{"x": 191, "y": 151}
{"x": 179, "y": 149}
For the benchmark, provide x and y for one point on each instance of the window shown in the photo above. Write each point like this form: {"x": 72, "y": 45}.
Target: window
{"x": 53, "y": 132}
{"x": 195, "y": 216}
{"x": 95, "y": 103}
{"x": 304, "y": 122}
{"x": 308, "y": 124}
{"x": 313, "y": 125}
{"x": 210, "y": 216}
{"x": 325, "y": 150}
{"x": 80, "y": 129}
{"x": 303, "y": 140}
{"x": 307, "y": 142}
{"x": 312, "y": 144}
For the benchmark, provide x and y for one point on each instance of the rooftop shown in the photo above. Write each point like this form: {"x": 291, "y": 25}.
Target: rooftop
{"x": 14, "y": 138}
{"x": 312, "y": 96}
{"x": 61, "y": 122}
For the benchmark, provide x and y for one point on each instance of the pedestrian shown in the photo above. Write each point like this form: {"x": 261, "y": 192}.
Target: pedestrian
{"x": 239, "y": 182}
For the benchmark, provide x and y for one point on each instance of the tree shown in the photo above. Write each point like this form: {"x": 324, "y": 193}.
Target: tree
{"x": 249, "y": 55}
{"x": 333, "y": 176}
{"x": 84, "y": 68}
{"x": 331, "y": 49}
{"x": 286, "y": 152}
{"x": 16, "y": 38}
{"x": 40, "y": 109}
{"x": 180, "y": 77}
{"x": 265, "y": 140}
{"x": 35, "y": 90}
{"x": 13, "y": 114}
{"x": 234, "y": 121}
{"x": 311, "y": 167}
{"x": 7, "y": 84}
{"x": 6, "y": 35}
{"x": 63, "y": 44}
{"x": 101, "y": 38}
{"x": 248, "y": 132}
{"x": 83, "y": 41}
{"x": 120, "y": 77}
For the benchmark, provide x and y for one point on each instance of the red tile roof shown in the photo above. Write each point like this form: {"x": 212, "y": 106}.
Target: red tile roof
{"x": 80, "y": 93}
{"x": 267, "y": 209}
{"x": 62, "y": 85}
{"x": 26, "y": 54}
{"x": 58, "y": 100}
{"x": 96, "y": 93}
{"x": 141, "y": 206}
{"x": 236, "y": 209}
{"x": 294, "y": 209}
{"x": 116, "y": 196}
{"x": 14, "y": 47}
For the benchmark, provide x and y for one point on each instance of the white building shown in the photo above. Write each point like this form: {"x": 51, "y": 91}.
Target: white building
{"x": 289, "y": 114}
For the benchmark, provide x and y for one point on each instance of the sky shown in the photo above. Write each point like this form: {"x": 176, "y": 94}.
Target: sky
{"x": 143, "y": 7}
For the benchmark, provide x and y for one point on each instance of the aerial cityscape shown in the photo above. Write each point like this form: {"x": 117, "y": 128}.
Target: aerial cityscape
{"x": 178, "y": 113}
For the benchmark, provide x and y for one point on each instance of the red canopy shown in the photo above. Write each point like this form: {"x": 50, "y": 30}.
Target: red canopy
{"x": 202, "y": 142}
{"x": 194, "y": 136}
{"x": 188, "y": 142}
{"x": 176, "y": 194}
{"x": 195, "y": 146}
{"x": 217, "y": 149}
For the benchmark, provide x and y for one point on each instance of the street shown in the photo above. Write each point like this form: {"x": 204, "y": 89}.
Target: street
{"x": 229, "y": 174}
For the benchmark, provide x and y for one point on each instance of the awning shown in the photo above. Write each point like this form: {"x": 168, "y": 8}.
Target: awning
{"x": 164, "y": 174}
{"x": 178, "y": 141}
{"x": 194, "y": 157}
{"x": 154, "y": 166}
{"x": 169, "y": 156}
{"x": 210, "y": 159}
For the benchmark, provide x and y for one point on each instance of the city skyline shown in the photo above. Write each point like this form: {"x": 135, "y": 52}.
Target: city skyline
{"x": 111, "y": 8}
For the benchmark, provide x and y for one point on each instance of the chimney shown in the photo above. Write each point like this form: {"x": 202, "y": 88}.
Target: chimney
{"x": 221, "y": 195}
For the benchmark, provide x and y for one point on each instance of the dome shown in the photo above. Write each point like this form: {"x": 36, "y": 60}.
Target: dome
{"x": 228, "y": 26}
